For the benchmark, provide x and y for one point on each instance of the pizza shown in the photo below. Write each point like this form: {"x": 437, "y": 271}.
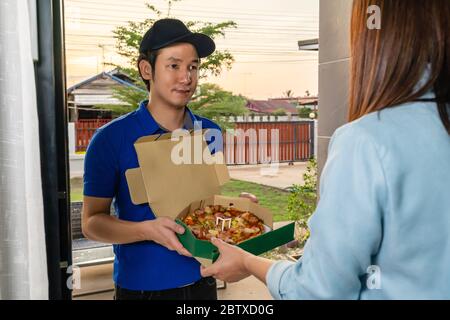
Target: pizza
{"x": 226, "y": 223}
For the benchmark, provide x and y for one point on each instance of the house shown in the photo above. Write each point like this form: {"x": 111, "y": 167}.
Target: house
{"x": 308, "y": 45}
{"x": 302, "y": 102}
{"x": 270, "y": 106}
{"x": 97, "y": 90}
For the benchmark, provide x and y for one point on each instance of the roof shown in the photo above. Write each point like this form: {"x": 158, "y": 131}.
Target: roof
{"x": 308, "y": 45}
{"x": 310, "y": 100}
{"x": 307, "y": 101}
{"x": 115, "y": 75}
{"x": 264, "y": 106}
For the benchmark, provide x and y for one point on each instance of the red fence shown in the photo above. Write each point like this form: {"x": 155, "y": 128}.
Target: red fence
{"x": 262, "y": 142}
{"x": 84, "y": 130}
{"x": 253, "y": 142}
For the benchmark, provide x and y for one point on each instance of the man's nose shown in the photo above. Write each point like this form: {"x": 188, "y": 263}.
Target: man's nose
{"x": 186, "y": 77}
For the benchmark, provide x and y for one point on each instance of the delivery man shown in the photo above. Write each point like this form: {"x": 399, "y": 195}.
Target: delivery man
{"x": 150, "y": 262}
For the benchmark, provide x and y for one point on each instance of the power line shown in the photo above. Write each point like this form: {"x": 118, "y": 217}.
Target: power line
{"x": 112, "y": 22}
{"x": 214, "y": 10}
{"x": 209, "y": 17}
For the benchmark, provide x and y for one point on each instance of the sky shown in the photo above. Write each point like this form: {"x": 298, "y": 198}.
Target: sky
{"x": 264, "y": 44}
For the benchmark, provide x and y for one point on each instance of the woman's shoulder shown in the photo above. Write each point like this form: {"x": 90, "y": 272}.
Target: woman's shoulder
{"x": 390, "y": 123}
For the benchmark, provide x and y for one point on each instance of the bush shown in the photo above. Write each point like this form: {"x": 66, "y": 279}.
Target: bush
{"x": 302, "y": 200}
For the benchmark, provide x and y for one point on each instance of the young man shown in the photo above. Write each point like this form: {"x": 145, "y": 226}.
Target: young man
{"x": 150, "y": 262}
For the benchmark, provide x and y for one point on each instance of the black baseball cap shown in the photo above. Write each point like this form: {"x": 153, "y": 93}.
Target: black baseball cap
{"x": 165, "y": 32}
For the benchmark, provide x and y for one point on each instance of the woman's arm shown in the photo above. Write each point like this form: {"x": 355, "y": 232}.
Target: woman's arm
{"x": 346, "y": 230}
{"x": 235, "y": 264}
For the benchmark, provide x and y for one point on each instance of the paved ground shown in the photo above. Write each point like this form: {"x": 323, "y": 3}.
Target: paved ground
{"x": 281, "y": 176}
{"x": 99, "y": 278}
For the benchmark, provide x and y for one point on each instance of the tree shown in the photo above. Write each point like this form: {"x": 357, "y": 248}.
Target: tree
{"x": 304, "y": 112}
{"x": 288, "y": 93}
{"x": 279, "y": 112}
{"x": 128, "y": 38}
{"x": 214, "y": 103}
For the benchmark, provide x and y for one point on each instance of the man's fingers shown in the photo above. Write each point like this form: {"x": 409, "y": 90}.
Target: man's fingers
{"x": 250, "y": 196}
{"x": 207, "y": 271}
{"x": 218, "y": 243}
{"x": 177, "y": 246}
{"x": 184, "y": 252}
{"x": 172, "y": 225}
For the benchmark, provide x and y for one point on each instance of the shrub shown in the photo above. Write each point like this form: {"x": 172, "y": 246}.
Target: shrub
{"x": 302, "y": 200}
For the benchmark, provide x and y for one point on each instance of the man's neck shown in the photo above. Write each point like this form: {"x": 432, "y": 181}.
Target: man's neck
{"x": 168, "y": 117}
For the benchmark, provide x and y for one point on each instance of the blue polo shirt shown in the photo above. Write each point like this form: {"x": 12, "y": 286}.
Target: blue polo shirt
{"x": 145, "y": 265}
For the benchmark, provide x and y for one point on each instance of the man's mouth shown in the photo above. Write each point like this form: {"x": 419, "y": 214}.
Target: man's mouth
{"x": 182, "y": 91}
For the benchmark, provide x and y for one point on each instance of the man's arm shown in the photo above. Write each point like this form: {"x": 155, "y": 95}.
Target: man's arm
{"x": 99, "y": 225}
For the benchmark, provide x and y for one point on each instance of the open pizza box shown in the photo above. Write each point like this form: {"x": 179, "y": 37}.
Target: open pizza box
{"x": 174, "y": 190}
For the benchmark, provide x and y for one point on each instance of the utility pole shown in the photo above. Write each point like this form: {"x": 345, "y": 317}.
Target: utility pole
{"x": 102, "y": 46}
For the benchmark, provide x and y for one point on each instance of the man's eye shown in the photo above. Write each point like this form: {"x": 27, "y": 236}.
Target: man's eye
{"x": 174, "y": 66}
{"x": 194, "y": 67}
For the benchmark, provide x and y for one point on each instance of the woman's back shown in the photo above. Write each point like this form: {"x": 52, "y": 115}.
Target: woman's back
{"x": 414, "y": 151}
{"x": 381, "y": 228}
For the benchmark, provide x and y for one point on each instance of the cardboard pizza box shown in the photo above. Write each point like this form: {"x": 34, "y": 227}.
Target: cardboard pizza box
{"x": 174, "y": 188}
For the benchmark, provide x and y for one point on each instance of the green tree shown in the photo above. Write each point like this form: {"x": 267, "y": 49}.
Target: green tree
{"x": 279, "y": 112}
{"x": 128, "y": 38}
{"x": 214, "y": 103}
{"x": 304, "y": 112}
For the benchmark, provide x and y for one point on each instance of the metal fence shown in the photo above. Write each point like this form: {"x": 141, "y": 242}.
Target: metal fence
{"x": 84, "y": 130}
{"x": 248, "y": 143}
{"x": 263, "y": 142}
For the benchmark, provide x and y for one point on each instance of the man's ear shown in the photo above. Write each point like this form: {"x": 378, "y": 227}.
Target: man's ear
{"x": 145, "y": 69}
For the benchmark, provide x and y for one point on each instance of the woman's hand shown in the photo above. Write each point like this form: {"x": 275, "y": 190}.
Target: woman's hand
{"x": 231, "y": 264}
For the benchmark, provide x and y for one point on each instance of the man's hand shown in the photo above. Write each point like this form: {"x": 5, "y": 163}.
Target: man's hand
{"x": 163, "y": 230}
{"x": 250, "y": 196}
{"x": 231, "y": 264}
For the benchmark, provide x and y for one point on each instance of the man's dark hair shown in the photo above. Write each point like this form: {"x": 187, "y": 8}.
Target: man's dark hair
{"x": 151, "y": 58}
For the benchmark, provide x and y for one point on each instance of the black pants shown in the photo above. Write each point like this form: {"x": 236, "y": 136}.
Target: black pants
{"x": 204, "y": 289}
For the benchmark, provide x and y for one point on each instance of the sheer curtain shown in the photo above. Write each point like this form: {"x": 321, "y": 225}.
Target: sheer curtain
{"x": 23, "y": 266}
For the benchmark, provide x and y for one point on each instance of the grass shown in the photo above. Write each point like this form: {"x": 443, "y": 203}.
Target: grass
{"x": 271, "y": 198}
{"x": 76, "y": 189}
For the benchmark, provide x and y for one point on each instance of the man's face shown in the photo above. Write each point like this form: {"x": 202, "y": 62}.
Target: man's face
{"x": 176, "y": 76}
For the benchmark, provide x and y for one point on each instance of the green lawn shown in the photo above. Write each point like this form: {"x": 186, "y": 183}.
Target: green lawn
{"x": 270, "y": 198}
{"x": 76, "y": 189}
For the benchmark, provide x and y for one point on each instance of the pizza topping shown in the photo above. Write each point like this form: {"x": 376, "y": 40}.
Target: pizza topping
{"x": 228, "y": 224}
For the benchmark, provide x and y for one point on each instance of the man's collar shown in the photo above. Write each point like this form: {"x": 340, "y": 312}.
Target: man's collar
{"x": 150, "y": 125}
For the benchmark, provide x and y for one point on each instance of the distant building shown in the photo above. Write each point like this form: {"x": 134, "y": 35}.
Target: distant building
{"x": 308, "y": 102}
{"x": 97, "y": 90}
{"x": 270, "y": 106}
{"x": 308, "y": 45}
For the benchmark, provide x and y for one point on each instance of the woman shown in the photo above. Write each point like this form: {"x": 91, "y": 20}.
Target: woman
{"x": 381, "y": 228}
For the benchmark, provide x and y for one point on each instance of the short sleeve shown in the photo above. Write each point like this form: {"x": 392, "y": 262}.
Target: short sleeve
{"x": 101, "y": 174}
{"x": 346, "y": 228}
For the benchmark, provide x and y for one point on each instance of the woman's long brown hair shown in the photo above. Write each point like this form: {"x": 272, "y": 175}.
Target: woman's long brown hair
{"x": 388, "y": 63}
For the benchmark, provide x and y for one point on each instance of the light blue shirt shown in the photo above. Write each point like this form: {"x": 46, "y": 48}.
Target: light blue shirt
{"x": 381, "y": 229}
